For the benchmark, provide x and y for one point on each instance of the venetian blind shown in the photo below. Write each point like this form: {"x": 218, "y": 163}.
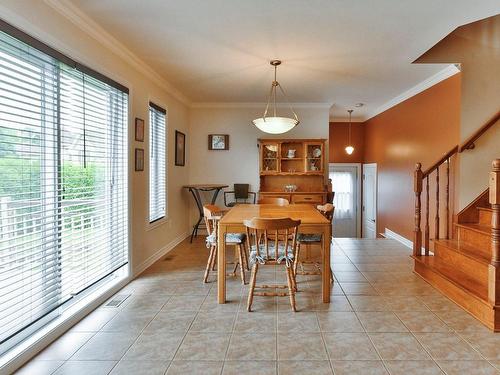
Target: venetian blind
{"x": 157, "y": 165}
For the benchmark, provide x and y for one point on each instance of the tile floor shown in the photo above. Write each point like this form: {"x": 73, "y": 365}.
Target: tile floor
{"x": 382, "y": 319}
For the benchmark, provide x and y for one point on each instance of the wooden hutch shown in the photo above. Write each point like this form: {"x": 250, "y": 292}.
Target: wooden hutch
{"x": 289, "y": 163}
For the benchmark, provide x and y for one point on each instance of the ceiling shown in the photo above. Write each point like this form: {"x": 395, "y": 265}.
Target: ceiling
{"x": 338, "y": 52}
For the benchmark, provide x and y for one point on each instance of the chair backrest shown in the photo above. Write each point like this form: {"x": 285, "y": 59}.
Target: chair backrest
{"x": 241, "y": 191}
{"x": 211, "y": 214}
{"x": 326, "y": 210}
{"x": 277, "y": 201}
{"x": 264, "y": 234}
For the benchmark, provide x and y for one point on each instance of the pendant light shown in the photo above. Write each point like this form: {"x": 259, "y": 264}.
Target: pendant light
{"x": 349, "y": 148}
{"x": 275, "y": 124}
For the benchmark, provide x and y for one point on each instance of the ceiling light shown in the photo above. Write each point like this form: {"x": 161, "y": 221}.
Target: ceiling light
{"x": 349, "y": 149}
{"x": 276, "y": 124}
{"x": 359, "y": 105}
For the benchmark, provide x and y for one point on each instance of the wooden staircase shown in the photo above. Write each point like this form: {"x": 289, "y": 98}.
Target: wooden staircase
{"x": 465, "y": 267}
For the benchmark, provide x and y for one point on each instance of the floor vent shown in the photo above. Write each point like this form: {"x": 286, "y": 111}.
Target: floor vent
{"x": 117, "y": 300}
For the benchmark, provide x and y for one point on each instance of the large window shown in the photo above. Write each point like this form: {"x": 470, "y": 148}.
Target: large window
{"x": 63, "y": 185}
{"x": 157, "y": 165}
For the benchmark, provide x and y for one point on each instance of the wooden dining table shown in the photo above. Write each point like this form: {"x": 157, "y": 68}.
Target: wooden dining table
{"x": 312, "y": 221}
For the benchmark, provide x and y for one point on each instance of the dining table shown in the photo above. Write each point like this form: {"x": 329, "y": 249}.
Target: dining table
{"x": 311, "y": 221}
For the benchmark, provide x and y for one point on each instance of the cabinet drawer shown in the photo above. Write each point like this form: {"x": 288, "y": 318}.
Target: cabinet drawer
{"x": 307, "y": 198}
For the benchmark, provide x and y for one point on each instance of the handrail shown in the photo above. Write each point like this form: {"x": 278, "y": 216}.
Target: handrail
{"x": 469, "y": 143}
{"x": 436, "y": 165}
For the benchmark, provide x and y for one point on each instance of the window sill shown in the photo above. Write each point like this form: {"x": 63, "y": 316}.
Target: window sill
{"x": 156, "y": 224}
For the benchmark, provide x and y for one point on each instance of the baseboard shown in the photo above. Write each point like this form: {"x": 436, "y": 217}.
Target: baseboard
{"x": 395, "y": 236}
{"x": 159, "y": 254}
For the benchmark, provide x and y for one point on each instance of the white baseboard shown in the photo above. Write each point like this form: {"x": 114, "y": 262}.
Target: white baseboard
{"x": 395, "y": 236}
{"x": 160, "y": 253}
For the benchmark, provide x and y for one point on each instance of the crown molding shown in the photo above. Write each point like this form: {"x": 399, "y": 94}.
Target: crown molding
{"x": 90, "y": 27}
{"x": 256, "y": 105}
{"x": 447, "y": 72}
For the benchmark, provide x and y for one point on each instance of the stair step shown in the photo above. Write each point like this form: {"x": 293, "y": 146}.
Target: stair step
{"x": 465, "y": 249}
{"x": 485, "y": 214}
{"x": 457, "y": 277}
{"x": 477, "y": 235}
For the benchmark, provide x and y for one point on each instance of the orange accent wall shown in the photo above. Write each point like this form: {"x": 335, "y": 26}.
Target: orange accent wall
{"x": 420, "y": 129}
{"x": 338, "y": 139}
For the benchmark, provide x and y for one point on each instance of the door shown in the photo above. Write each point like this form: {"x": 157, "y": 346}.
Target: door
{"x": 369, "y": 200}
{"x": 345, "y": 186}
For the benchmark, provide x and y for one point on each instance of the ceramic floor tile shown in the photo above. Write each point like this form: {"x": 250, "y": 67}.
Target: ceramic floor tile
{"x": 85, "y": 368}
{"x": 304, "y": 367}
{"x": 447, "y": 346}
{"x": 95, "y": 320}
{"x": 468, "y": 367}
{"x": 184, "y": 303}
{"x": 358, "y": 289}
{"x": 255, "y": 322}
{"x": 249, "y": 368}
{"x": 381, "y": 321}
{"x": 413, "y": 368}
{"x": 213, "y": 322}
{"x": 195, "y": 367}
{"x": 422, "y": 321}
{"x": 39, "y": 367}
{"x": 297, "y": 322}
{"x": 105, "y": 346}
{"x": 488, "y": 344}
{"x": 349, "y": 276}
{"x": 368, "y": 303}
{"x": 171, "y": 321}
{"x": 129, "y": 321}
{"x": 154, "y": 346}
{"x": 203, "y": 346}
{"x": 65, "y": 346}
{"x": 343, "y": 321}
{"x": 349, "y": 346}
{"x": 461, "y": 321}
{"x": 405, "y": 303}
{"x": 359, "y": 368}
{"x": 140, "y": 367}
{"x": 252, "y": 346}
{"x": 301, "y": 346}
{"x": 398, "y": 346}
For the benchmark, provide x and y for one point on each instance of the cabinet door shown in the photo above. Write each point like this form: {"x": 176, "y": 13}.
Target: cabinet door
{"x": 314, "y": 157}
{"x": 269, "y": 157}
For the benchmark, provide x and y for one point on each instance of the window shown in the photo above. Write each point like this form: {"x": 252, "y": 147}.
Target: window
{"x": 157, "y": 165}
{"x": 63, "y": 184}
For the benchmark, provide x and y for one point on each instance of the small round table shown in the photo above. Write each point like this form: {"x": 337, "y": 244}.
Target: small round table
{"x": 195, "y": 191}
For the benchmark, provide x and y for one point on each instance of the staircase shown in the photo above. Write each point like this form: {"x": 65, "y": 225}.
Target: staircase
{"x": 465, "y": 267}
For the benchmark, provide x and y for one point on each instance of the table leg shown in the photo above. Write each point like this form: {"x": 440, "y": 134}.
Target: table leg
{"x": 221, "y": 264}
{"x": 325, "y": 274}
{"x": 197, "y": 199}
{"x": 216, "y": 193}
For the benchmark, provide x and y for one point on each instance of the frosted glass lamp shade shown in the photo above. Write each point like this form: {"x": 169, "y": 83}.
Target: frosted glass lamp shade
{"x": 275, "y": 125}
{"x": 349, "y": 150}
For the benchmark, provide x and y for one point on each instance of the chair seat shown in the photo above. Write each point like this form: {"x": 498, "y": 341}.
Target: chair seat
{"x": 272, "y": 255}
{"x": 231, "y": 238}
{"x": 308, "y": 237}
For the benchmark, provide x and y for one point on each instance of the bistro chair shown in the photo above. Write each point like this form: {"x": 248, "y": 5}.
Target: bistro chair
{"x": 279, "y": 251}
{"x": 306, "y": 240}
{"x": 241, "y": 194}
{"x": 212, "y": 215}
{"x": 276, "y": 201}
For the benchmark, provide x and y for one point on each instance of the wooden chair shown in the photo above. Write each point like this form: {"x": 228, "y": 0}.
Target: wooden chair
{"x": 307, "y": 240}
{"x": 241, "y": 194}
{"x": 276, "y": 201}
{"x": 264, "y": 251}
{"x": 212, "y": 215}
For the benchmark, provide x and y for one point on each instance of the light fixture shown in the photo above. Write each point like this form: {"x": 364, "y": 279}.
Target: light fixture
{"x": 349, "y": 149}
{"x": 276, "y": 124}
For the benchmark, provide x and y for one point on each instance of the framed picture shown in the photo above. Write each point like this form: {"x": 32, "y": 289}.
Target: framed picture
{"x": 139, "y": 129}
{"x": 180, "y": 148}
{"x": 139, "y": 159}
{"x": 218, "y": 142}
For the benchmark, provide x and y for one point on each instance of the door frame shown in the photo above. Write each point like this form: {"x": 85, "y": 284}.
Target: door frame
{"x": 376, "y": 194}
{"x": 358, "y": 167}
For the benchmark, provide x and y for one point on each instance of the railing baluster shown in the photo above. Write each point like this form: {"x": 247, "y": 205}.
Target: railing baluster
{"x": 426, "y": 230}
{"x": 494, "y": 268}
{"x": 436, "y": 223}
{"x": 417, "y": 232}
{"x": 448, "y": 199}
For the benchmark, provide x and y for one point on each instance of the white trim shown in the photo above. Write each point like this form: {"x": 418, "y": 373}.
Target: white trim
{"x": 160, "y": 253}
{"x": 256, "y": 105}
{"x": 374, "y": 165}
{"x": 447, "y": 72}
{"x": 395, "y": 236}
{"x": 89, "y": 26}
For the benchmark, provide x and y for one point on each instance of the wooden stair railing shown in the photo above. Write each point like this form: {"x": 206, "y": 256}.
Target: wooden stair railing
{"x": 469, "y": 143}
{"x": 494, "y": 267}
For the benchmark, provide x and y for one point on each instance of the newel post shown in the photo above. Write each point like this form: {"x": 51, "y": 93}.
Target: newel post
{"x": 417, "y": 188}
{"x": 494, "y": 268}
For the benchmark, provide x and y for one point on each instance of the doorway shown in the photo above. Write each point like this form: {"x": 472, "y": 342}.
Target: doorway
{"x": 370, "y": 200}
{"x": 347, "y": 188}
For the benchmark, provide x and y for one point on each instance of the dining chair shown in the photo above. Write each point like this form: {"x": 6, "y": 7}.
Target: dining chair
{"x": 306, "y": 240}
{"x": 241, "y": 194}
{"x": 264, "y": 252}
{"x": 212, "y": 215}
{"x": 276, "y": 201}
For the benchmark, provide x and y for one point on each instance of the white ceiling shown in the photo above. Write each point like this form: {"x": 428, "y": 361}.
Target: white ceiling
{"x": 339, "y": 52}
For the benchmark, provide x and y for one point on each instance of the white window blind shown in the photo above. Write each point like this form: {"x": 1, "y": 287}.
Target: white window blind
{"x": 157, "y": 164}
{"x": 63, "y": 185}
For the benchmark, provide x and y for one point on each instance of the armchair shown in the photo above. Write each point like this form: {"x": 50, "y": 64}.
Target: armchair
{"x": 241, "y": 194}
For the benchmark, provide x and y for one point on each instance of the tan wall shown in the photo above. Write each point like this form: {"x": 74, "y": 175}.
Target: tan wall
{"x": 37, "y": 18}
{"x": 422, "y": 129}
{"x": 339, "y": 139}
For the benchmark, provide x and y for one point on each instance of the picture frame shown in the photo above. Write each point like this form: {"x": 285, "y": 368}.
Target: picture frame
{"x": 218, "y": 142}
{"x": 180, "y": 149}
{"x": 139, "y": 159}
{"x": 139, "y": 129}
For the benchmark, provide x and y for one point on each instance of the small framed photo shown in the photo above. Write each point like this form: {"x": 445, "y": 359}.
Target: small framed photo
{"x": 180, "y": 148}
{"x": 218, "y": 141}
{"x": 139, "y": 159}
{"x": 139, "y": 129}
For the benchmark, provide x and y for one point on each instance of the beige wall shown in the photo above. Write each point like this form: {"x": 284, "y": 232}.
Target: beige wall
{"x": 43, "y": 22}
{"x": 240, "y": 163}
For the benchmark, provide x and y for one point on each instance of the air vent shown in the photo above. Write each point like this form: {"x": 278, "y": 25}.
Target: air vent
{"x": 117, "y": 300}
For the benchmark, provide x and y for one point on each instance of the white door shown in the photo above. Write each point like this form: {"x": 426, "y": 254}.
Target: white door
{"x": 369, "y": 200}
{"x": 345, "y": 186}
